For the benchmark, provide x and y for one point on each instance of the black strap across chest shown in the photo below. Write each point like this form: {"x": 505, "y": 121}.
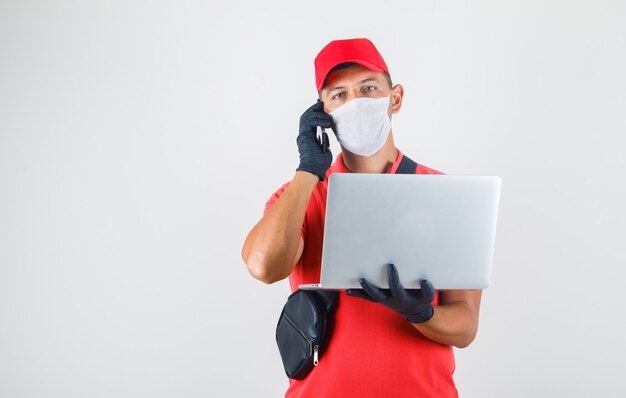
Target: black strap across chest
{"x": 407, "y": 166}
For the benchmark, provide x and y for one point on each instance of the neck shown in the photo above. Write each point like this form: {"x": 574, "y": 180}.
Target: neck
{"x": 380, "y": 162}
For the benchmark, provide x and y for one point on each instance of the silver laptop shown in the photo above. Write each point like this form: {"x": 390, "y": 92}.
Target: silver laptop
{"x": 435, "y": 227}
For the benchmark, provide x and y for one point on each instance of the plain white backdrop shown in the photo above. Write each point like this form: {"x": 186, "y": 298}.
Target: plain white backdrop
{"x": 139, "y": 141}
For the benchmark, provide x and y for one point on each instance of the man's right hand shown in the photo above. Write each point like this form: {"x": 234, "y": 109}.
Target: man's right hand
{"x": 312, "y": 158}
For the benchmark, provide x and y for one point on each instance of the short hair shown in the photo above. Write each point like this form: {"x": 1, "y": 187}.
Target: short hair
{"x": 346, "y": 65}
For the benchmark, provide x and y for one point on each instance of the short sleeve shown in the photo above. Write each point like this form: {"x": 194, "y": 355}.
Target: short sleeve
{"x": 275, "y": 196}
{"x": 421, "y": 169}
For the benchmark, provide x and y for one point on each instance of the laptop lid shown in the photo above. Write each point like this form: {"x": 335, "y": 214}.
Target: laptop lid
{"x": 435, "y": 227}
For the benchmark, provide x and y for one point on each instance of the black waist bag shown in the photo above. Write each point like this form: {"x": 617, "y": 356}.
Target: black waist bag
{"x": 304, "y": 329}
{"x": 306, "y": 322}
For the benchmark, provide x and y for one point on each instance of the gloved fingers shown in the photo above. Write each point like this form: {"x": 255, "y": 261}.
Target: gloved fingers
{"x": 321, "y": 122}
{"x": 319, "y": 140}
{"x": 315, "y": 136}
{"x": 332, "y": 124}
{"x": 325, "y": 141}
{"x": 316, "y": 107}
{"x": 322, "y": 140}
{"x": 314, "y": 119}
{"x": 375, "y": 292}
{"x": 394, "y": 280}
{"x": 360, "y": 293}
{"x": 428, "y": 291}
{"x": 315, "y": 156}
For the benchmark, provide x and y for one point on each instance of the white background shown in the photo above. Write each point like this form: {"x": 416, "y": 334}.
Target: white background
{"x": 139, "y": 141}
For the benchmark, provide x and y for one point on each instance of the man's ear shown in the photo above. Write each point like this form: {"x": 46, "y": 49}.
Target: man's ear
{"x": 395, "y": 102}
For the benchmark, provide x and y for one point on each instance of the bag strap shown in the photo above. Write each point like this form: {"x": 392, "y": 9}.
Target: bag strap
{"x": 407, "y": 166}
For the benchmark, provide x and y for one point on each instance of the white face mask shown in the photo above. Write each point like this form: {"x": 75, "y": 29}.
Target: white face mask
{"x": 363, "y": 125}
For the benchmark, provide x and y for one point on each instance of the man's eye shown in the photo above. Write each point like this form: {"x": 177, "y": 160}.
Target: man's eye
{"x": 338, "y": 96}
{"x": 369, "y": 88}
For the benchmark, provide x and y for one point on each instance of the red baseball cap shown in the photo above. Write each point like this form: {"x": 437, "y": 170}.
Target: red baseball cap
{"x": 360, "y": 51}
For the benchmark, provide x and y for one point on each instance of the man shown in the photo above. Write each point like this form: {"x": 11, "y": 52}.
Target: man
{"x": 397, "y": 342}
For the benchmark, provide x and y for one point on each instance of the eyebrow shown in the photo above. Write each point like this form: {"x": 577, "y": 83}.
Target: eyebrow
{"x": 367, "y": 80}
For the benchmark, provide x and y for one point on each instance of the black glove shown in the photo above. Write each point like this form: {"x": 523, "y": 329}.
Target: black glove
{"x": 315, "y": 157}
{"x": 413, "y": 304}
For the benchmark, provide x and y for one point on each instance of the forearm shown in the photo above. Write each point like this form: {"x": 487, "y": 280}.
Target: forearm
{"x": 271, "y": 247}
{"x": 454, "y": 323}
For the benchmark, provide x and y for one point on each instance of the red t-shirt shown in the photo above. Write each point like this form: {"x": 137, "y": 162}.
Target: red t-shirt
{"x": 373, "y": 351}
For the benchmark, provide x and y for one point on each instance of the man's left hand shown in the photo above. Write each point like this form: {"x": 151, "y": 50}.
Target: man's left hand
{"x": 413, "y": 304}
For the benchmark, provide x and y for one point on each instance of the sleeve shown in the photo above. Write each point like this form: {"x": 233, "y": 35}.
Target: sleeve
{"x": 421, "y": 169}
{"x": 275, "y": 196}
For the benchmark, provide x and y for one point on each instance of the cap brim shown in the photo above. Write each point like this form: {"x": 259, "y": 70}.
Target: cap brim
{"x": 368, "y": 65}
